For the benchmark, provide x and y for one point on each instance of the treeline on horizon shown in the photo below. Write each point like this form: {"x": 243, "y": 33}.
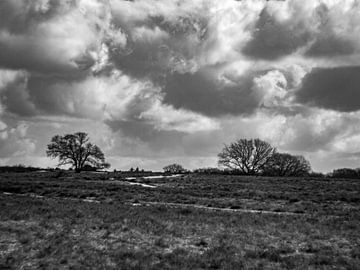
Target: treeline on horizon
{"x": 336, "y": 173}
{"x": 241, "y": 157}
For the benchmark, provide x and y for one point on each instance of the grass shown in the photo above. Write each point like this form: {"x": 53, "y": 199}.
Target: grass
{"x": 54, "y": 232}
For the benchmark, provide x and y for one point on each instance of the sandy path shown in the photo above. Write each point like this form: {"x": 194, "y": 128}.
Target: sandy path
{"x": 173, "y": 205}
{"x": 182, "y": 205}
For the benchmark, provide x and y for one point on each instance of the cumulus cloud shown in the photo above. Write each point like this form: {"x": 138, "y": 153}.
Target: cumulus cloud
{"x": 162, "y": 36}
{"x": 54, "y": 36}
{"x": 105, "y": 98}
{"x": 272, "y": 87}
{"x": 313, "y": 131}
{"x": 165, "y": 117}
{"x": 13, "y": 141}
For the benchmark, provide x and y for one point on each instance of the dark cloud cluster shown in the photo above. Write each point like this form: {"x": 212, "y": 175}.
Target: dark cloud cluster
{"x": 327, "y": 42}
{"x": 332, "y": 88}
{"x": 330, "y": 45}
{"x": 273, "y": 39}
{"x": 202, "y": 93}
{"x": 318, "y": 34}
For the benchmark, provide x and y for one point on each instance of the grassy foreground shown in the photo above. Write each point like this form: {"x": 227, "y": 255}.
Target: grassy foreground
{"x": 89, "y": 222}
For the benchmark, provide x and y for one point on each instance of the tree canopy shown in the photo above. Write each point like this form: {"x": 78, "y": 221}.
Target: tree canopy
{"x": 249, "y": 156}
{"x": 174, "y": 168}
{"x": 284, "y": 164}
{"x": 76, "y": 150}
{"x": 346, "y": 173}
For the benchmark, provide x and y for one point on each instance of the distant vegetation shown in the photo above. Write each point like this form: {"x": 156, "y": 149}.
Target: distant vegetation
{"x": 346, "y": 173}
{"x": 209, "y": 171}
{"x": 174, "y": 168}
{"x": 242, "y": 157}
{"x": 18, "y": 168}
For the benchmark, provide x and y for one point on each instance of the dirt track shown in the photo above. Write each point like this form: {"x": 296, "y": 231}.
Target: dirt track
{"x": 172, "y": 205}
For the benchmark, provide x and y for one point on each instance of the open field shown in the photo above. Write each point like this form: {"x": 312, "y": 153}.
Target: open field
{"x": 58, "y": 220}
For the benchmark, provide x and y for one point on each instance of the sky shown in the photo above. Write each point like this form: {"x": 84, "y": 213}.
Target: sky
{"x": 157, "y": 82}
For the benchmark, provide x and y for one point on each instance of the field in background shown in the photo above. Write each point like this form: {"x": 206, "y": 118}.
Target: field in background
{"x": 62, "y": 220}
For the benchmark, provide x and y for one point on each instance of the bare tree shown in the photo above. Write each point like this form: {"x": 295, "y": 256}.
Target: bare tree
{"x": 174, "y": 168}
{"x": 76, "y": 150}
{"x": 283, "y": 164}
{"x": 247, "y": 156}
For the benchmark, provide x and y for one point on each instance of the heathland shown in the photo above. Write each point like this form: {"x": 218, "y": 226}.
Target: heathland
{"x": 89, "y": 220}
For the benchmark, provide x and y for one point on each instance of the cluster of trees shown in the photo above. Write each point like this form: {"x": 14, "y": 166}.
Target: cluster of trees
{"x": 208, "y": 170}
{"x": 174, "y": 169}
{"x": 136, "y": 170}
{"x": 254, "y": 156}
{"x": 248, "y": 156}
{"x": 346, "y": 173}
{"x": 245, "y": 156}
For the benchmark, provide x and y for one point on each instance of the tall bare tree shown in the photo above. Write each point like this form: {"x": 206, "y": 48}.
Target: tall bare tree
{"x": 246, "y": 155}
{"x": 76, "y": 150}
{"x": 283, "y": 164}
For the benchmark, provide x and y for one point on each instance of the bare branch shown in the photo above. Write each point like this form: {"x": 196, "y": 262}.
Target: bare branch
{"x": 248, "y": 156}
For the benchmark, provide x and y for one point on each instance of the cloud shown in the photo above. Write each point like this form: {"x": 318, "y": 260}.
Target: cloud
{"x": 334, "y": 34}
{"x": 94, "y": 97}
{"x": 13, "y": 141}
{"x": 315, "y": 28}
{"x": 162, "y": 37}
{"x": 332, "y": 88}
{"x": 203, "y": 93}
{"x": 272, "y": 87}
{"x": 34, "y": 34}
{"x": 166, "y": 117}
{"x": 329, "y": 45}
{"x": 107, "y": 98}
{"x": 310, "y": 131}
{"x": 7, "y": 77}
{"x": 273, "y": 39}
{"x": 16, "y": 97}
